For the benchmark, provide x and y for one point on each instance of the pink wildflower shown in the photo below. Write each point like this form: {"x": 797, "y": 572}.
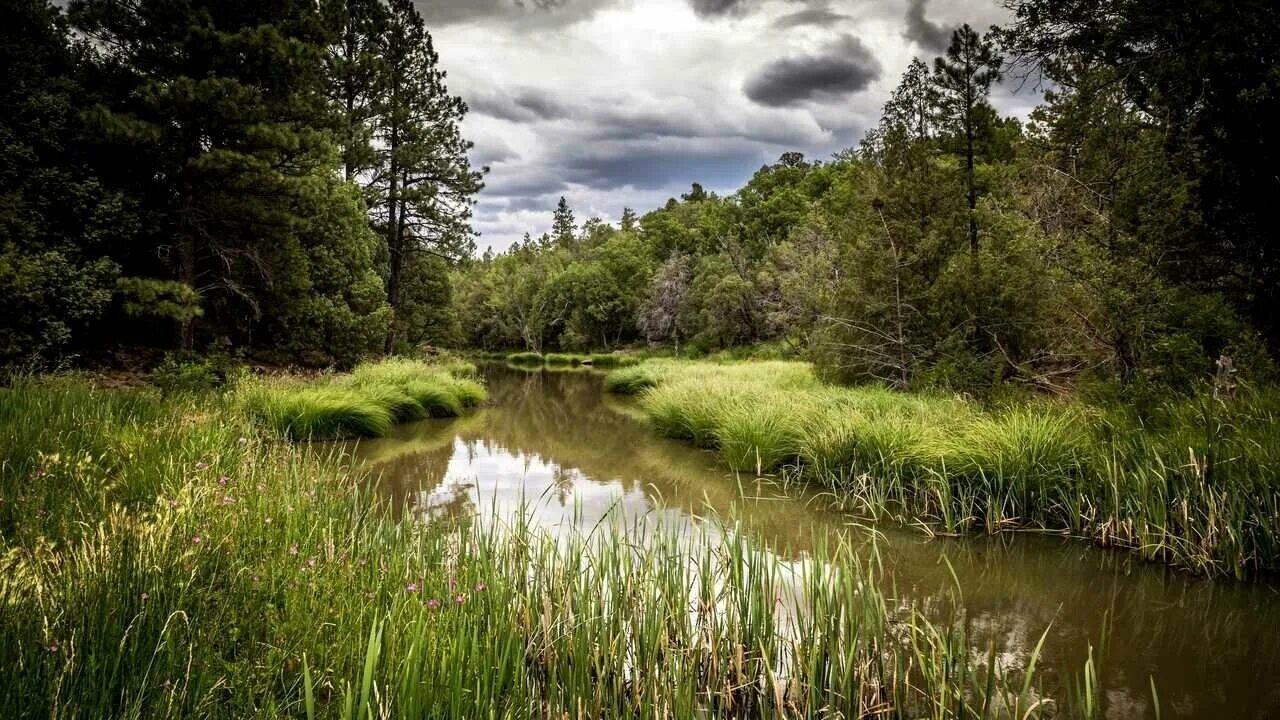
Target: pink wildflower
{"x": 433, "y": 604}
{"x": 223, "y": 480}
{"x": 411, "y": 587}
{"x": 195, "y": 539}
{"x": 480, "y": 587}
{"x": 293, "y": 549}
{"x": 462, "y": 597}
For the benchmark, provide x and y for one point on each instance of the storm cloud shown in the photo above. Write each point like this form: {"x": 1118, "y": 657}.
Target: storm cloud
{"x": 928, "y": 35}
{"x": 819, "y": 15}
{"x": 842, "y": 68}
{"x": 712, "y": 8}
{"x": 446, "y": 12}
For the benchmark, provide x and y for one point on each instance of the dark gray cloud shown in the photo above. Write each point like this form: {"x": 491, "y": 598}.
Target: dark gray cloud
{"x": 447, "y": 12}
{"x": 517, "y": 105}
{"x": 819, "y": 15}
{"x": 928, "y": 35}
{"x": 842, "y": 68}
{"x": 648, "y": 166}
{"x": 713, "y": 8}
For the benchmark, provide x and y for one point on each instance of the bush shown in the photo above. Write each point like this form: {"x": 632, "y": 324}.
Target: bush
{"x": 175, "y": 375}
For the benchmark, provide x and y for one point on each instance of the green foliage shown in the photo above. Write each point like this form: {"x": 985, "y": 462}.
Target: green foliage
{"x": 48, "y": 297}
{"x": 178, "y": 375}
{"x": 148, "y": 297}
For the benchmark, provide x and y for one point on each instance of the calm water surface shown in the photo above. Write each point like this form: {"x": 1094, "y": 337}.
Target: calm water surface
{"x": 554, "y": 443}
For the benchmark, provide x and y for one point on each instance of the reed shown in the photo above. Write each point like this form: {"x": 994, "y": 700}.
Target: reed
{"x": 247, "y": 576}
{"x": 1193, "y": 486}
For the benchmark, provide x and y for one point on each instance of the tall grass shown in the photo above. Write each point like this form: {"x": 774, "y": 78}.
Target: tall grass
{"x": 1195, "y": 486}
{"x": 250, "y": 577}
{"x": 526, "y": 358}
{"x": 368, "y": 402}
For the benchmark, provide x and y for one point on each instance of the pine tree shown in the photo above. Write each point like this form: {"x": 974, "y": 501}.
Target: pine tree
{"x": 423, "y": 182}
{"x": 962, "y": 80}
{"x": 629, "y": 222}
{"x": 562, "y": 227}
{"x": 215, "y": 112}
{"x": 354, "y": 73}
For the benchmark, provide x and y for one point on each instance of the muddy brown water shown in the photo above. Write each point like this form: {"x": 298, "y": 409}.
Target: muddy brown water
{"x": 553, "y": 445}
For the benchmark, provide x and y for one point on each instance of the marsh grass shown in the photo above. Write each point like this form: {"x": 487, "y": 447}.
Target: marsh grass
{"x": 366, "y": 403}
{"x": 562, "y": 359}
{"x": 250, "y": 577}
{"x": 525, "y": 358}
{"x": 1195, "y": 485}
{"x": 613, "y": 360}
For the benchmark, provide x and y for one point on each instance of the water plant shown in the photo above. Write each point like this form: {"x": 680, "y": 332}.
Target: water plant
{"x": 525, "y": 358}
{"x": 1193, "y": 485}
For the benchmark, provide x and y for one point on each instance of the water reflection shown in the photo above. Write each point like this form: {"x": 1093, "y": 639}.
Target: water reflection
{"x": 556, "y": 446}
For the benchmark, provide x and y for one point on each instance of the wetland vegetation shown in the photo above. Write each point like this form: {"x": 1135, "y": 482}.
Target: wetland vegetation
{"x": 1193, "y": 484}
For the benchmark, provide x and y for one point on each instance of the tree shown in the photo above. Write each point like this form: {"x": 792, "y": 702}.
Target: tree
{"x": 662, "y": 309}
{"x": 355, "y": 74}
{"x": 57, "y": 220}
{"x": 218, "y": 110}
{"x": 630, "y": 222}
{"x": 1203, "y": 72}
{"x": 562, "y": 225}
{"x": 962, "y": 80}
{"x": 423, "y": 181}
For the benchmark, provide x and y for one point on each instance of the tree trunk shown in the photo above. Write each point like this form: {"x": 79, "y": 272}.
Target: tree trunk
{"x": 395, "y": 242}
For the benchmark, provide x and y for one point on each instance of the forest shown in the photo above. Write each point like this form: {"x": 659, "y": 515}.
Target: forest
{"x": 976, "y": 418}
{"x": 311, "y": 206}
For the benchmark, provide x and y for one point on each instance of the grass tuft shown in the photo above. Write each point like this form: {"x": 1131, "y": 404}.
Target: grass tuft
{"x": 366, "y": 403}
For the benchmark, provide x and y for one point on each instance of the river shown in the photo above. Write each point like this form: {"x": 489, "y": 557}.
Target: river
{"x": 553, "y": 445}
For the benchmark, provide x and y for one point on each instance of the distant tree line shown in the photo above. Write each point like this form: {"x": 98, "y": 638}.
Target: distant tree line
{"x": 284, "y": 177}
{"x": 1125, "y": 231}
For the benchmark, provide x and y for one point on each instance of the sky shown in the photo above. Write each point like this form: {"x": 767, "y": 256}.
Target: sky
{"x": 617, "y": 103}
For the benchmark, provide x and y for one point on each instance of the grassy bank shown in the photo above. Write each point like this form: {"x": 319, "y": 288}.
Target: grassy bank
{"x": 173, "y": 557}
{"x": 367, "y": 402}
{"x": 1194, "y": 485}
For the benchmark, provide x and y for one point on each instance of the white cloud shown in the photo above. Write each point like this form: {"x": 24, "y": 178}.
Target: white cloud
{"x": 617, "y": 103}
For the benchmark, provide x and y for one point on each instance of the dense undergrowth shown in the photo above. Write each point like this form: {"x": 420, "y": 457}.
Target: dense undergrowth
{"x": 1193, "y": 483}
{"x": 367, "y": 402}
{"x": 167, "y": 557}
